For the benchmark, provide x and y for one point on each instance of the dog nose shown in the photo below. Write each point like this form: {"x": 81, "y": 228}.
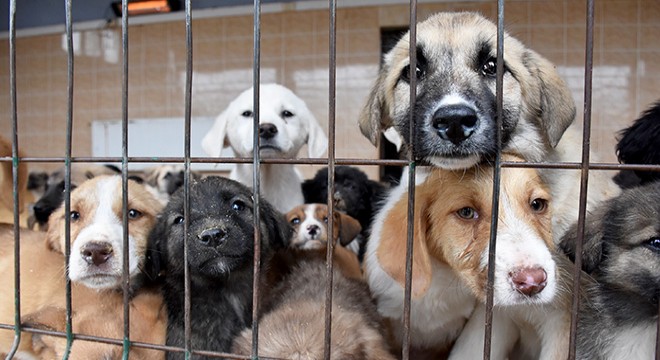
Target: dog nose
{"x": 313, "y": 230}
{"x": 212, "y": 237}
{"x": 529, "y": 281}
{"x": 455, "y": 122}
{"x": 96, "y": 253}
{"x": 267, "y": 131}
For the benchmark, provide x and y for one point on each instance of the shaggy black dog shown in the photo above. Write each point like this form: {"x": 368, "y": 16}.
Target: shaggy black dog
{"x": 638, "y": 144}
{"x": 220, "y": 258}
{"x": 355, "y": 194}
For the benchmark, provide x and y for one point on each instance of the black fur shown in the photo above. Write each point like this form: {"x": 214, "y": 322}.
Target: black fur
{"x": 220, "y": 265}
{"x": 638, "y": 144}
{"x": 355, "y": 194}
{"x": 621, "y": 252}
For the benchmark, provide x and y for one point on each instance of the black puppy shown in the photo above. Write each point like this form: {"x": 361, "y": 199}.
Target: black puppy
{"x": 638, "y": 144}
{"x": 220, "y": 259}
{"x": 355, "y": 194}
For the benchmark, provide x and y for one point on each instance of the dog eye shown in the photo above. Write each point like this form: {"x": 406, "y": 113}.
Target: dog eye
{"x": 75, "y": 215}
{"x": 325, "y": 219}
{"x": 405, "y": 73}
{"x": 489, "y": 68}
{"x": 539, "y": 205}
{"x": 467, "y": 213}
{"x": 295, "y": 221}
{"x": 178, "y": 220}
{"x": 238, "y": 205}
{"x": 247, "y": 113}
{"x": 287, "y": 114}
{"x": 134, "y": 214}
{"x": 654, "y": 243}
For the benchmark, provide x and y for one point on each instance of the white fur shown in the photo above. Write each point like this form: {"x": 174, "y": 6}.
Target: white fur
{"x": 304, "y": 236}
{"x": 636, "y": 342}
{"x": 106, "y": 227}
{"x": 280, "y": 183}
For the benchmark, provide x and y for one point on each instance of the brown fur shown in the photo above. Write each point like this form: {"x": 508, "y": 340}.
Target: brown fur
{"x": 345, "y": 227}
{"x": 6, "y": 187}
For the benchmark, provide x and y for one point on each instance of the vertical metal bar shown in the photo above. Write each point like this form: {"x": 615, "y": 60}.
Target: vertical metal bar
{"x": 496, "y": 181}
{"x": 14, "y": 152}
{"x": 67, "y": 174}
{"x": 256, "y": 175}
{"x": 186, "y": 180}
{"x": 405, "y": 347}
{"x": 331, "y": 175}
{"x": 124, "y": 174}
{"x": 584, "y": 176}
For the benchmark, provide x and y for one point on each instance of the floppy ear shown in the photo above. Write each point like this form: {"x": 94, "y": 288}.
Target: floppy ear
{"x": 592, "y": 245}
{"x": 215, "y": 139}
{"x": 392, "y": 248}
{"x": 374, "y": 114}
{"x": 317, "y": 141}
{"x": 556, "y": 106}
{"x": 279, "y": 230}
{"x": 349, "y": 228}
{"x": 55, "y": 232}
{"x": 154, "y": 264}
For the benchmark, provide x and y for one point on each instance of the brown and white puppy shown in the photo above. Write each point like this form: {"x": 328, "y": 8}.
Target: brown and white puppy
{"x": 95, "y": 263}
{"x": 166, "y": 178}
{"x": 310, "y": 225}
{"x": 291, "y": 327}
{"x": 455, "y": 107}
{"x": 450, "y": 257}
{"x": 6, "y": 187}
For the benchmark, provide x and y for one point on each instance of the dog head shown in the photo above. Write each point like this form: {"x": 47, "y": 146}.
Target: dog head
{"x": 165, "y": 178}
{"x": 54, "y": 192}
{"x": 455, "y": 107}
{"x": 621, "y": 246}
{"x": 310, "y": 226}
{"x": 638, "y": 143}
{"x": 220, "y": 232}
{"x": 285, "y": 125}
{"x": 452, "y": 226}
{"x": 97, "y": 233}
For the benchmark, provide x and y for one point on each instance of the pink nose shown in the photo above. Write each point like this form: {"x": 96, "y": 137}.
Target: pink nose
{"x": 529, "y": 281}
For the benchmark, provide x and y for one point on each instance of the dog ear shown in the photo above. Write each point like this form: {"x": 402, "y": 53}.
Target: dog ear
{"x": 279, "y": 229}
{"x": 555, "y": 106}
{"x": 154, "y": 264}
{"x": 592, "y": 244}
{"x": 349, "y": 228}
{"x": 317, "y": 141}
{"x": 55, "y": 232}
{"x": 215, "y": 139}
{"x": 374, "y": 115}
{"x": 392, "y": 248}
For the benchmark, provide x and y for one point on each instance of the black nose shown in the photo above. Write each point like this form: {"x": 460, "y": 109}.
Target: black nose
{"x": 267, "y": 131}
{"x": 455, "y": 122}
{"x": 313, "y": 230}
{"x": 212, "y": 237}
{"x": 96, "y": 253}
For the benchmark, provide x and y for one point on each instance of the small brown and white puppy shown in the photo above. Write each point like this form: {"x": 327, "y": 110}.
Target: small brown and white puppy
{"x": 95, "y": 263}
{"x": 450, "y": 260}
{"x": 291, "y": 327}
{"x": 310, "y": 225}
{"x": 6, "y": 187}
{"x": 455, "y": 107}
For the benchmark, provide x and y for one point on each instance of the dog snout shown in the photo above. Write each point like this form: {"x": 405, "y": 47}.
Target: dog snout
{"x": 529, "y": 281}
{"x": 267, "y": 131}
{"x": 455, "y": 122}
{"x": 212, "y": 237}
{"x": 96, "y": 253}
{"x": 313, "y": 230}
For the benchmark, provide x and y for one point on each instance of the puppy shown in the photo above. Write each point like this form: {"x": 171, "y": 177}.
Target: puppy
{"x": 166, "y": 178}
{"x": 53, "y": 196}
{"x": 292, "y": 327}
{"x": 637, "y": 145}
{"x": 310, "y": 226}
{"x": 7, "y": 188}
{"x": 95, "y": 262}
{"x": 285, "y": 125}
{"x": 450, "y": 257}
{"x": 220, "y": 260}
{"x": 456, "y": 104}
{"x": 621, "y": 245}
{"x": 355, "y": 194}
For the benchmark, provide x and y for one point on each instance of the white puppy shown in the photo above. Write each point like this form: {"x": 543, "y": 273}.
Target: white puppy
{"x": 285, "y": 125}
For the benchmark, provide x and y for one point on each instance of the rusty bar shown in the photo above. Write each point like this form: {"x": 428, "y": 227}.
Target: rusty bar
{"x": 256, "y": 174}
{"x": 412, "y": 50}
{"x": 14, "y": 152}
{"x": 584, "y": 176}
{"x": 497, "y": 172}
{"x": 331, "y": 174}
{"x": 187, "y": 329}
